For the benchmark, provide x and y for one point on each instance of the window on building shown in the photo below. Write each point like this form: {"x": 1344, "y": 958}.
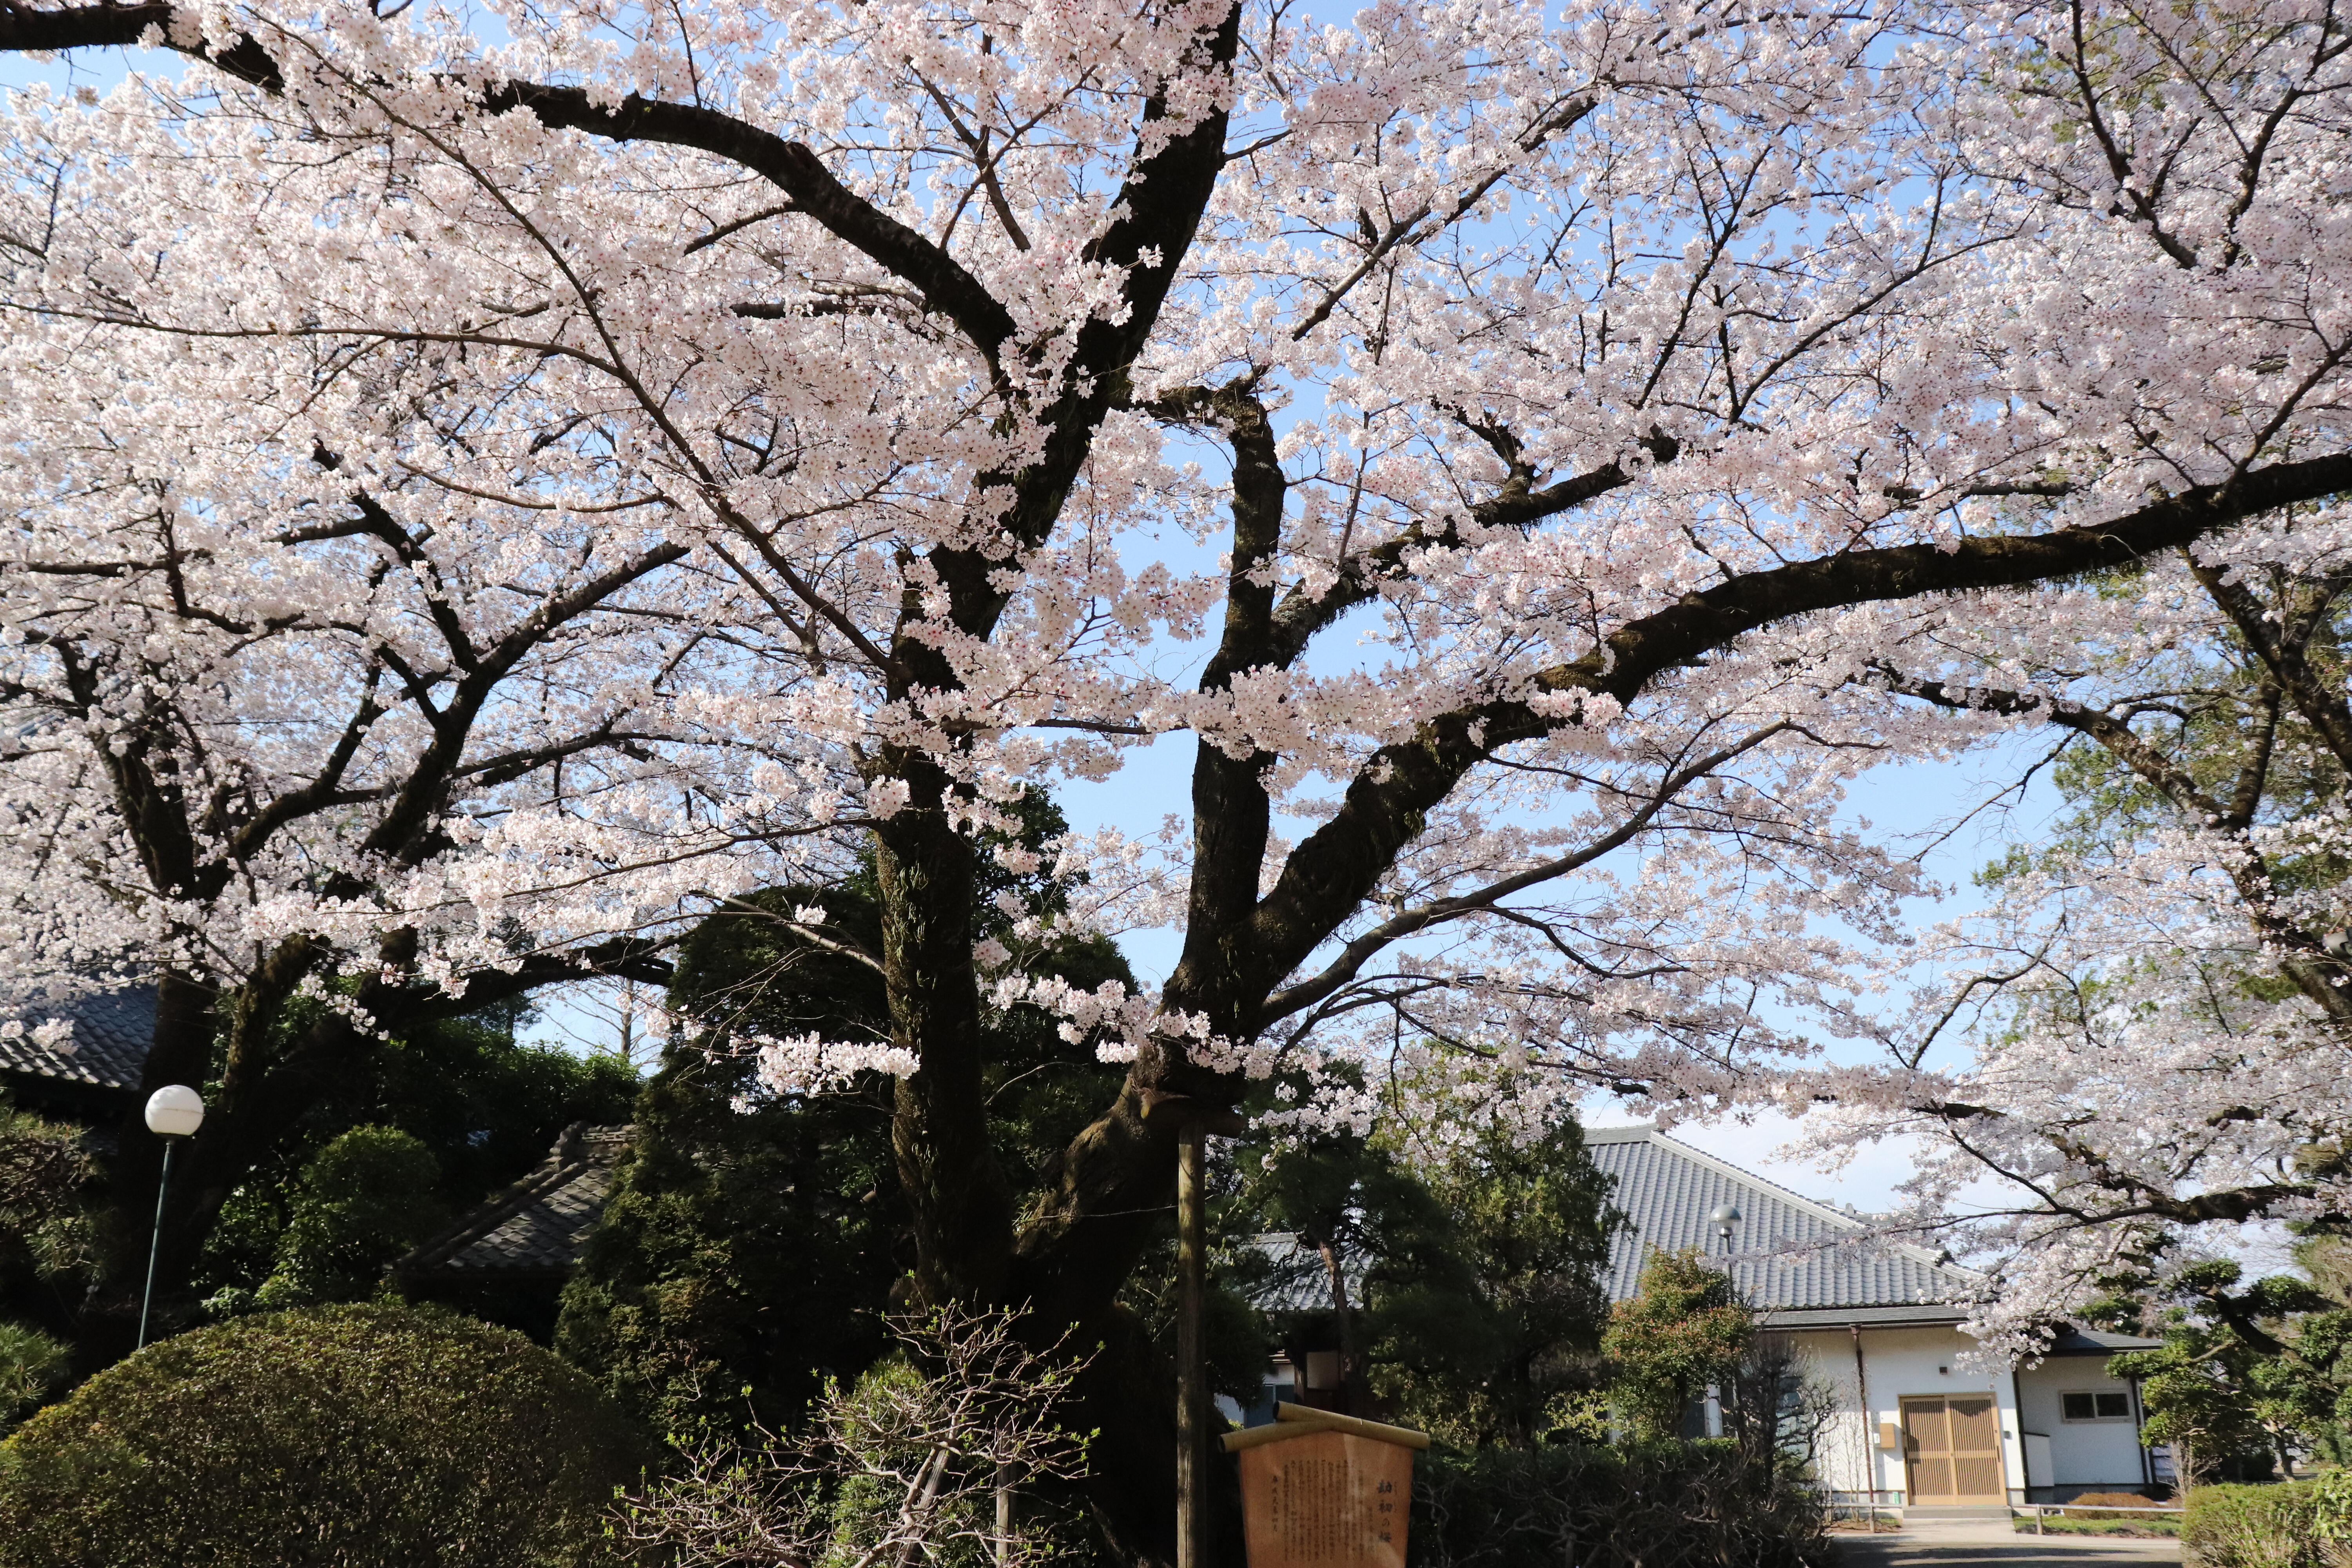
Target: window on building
{"x": 2095, "y": 1406}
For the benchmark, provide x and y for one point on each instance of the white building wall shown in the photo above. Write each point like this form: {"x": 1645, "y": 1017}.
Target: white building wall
{"x": 1842, "y": 1463}
{"x": 1928, "y": 1361}
{"x": 2082, "y": 1453}
{"x": 1896, "y": 1362}
{"x": 1918, "y": 1360}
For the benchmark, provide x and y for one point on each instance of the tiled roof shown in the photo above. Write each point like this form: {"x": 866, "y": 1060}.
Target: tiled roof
{"x": 112, "y": 1031}
{"x": 533, "y": 1230}
{"x": 1788, "y": 1254}
{"x": 1294, "y": 1278}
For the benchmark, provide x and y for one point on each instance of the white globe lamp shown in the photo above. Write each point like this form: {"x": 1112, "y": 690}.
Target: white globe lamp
{"x": 175, "y": 1111}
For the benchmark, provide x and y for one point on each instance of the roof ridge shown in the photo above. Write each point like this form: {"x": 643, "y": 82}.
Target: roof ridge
{"x": 1789, "y": 1195}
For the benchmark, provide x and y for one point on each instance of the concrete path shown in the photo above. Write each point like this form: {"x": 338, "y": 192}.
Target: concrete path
{"x": 1990, "y": 1544}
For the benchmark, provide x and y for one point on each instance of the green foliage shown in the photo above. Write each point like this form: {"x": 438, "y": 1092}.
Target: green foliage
{"x": 367, "y": 1199}
{"x": 1236, "y": 1340}
{"x": 46, "y": 1177}
{"x": 1684, "y": 1329}
{"x": 358, "y": 1436}
{"x": 1353, "y": 1206}
{"x": 752, "y": 1241}
{"x": 1670, "y": 1505}
{"x": 483, "y": 1107}
{"x": 1479, "y": 1272}
{"x": 2242, "y": 1373}
{"x": 1484, "y": 1319}
{"x": 2271, "y": 1526}
{"x": 2331, "y": 1505}
{"x": 32, "y": 1367}
{"x": 742, "y": 1253}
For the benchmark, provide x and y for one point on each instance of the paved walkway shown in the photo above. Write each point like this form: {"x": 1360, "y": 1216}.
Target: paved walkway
{"x": 1956, "y": 1544}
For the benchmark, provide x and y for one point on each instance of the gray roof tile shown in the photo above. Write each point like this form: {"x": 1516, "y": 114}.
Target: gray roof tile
{"x": 1294, "y": 1278}
{"x": 536, "y": 1228}
{"x": 1788, "y": 1253}
{"x": 112, "y": 1035}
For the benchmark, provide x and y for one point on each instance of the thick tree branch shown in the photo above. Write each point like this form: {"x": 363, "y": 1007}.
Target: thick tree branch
{"x": 1360, "y": 951}
{"x": 791, "y": 167}
{"x": 1337, "y": 865}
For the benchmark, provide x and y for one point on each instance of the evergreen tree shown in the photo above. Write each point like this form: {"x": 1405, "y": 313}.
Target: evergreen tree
{"x": 481, "y": 1108}
{"x": 1684, "y": 1330}
{"x": 2247, "y": 1372}
{"x": 46, "y": 1177}
{"x": 752, "y": 1243}
{"x": 1464, "y": 1291}
{"x": 367, "y": 1199}
{"x": 747, "y": 1245}
{"x": 1490, "y": 1347}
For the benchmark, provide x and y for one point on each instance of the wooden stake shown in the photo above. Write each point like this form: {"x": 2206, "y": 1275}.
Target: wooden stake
{"x": 1192, "y": 1374}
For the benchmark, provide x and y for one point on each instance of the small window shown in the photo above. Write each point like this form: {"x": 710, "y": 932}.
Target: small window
{"x": 2095, "y": 1406}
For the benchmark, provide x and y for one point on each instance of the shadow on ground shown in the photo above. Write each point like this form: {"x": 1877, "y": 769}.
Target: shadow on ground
{"x": 1993, "y": 1548}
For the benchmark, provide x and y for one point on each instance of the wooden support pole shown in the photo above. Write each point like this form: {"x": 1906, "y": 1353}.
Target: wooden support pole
{"x": 1194, "y": 1120}
{"x": 1191, "y": 1371}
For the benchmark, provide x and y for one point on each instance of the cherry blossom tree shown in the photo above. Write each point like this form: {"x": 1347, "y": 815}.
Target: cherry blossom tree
{"x": 487, "y": 487}
{"x": 2158, "y": 998}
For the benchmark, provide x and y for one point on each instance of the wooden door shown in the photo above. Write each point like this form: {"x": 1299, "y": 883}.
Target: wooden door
{"x": 1951, "y": 1447}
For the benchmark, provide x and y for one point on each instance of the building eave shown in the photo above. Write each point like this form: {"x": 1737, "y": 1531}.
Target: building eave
{"x": 1923, "y": 1315}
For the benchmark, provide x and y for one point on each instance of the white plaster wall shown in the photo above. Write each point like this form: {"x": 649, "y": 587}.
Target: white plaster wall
{"x": 1897, "y": 1361}
{"x": 1842, "y": 1458}
{"x": 2081, "y": 1453}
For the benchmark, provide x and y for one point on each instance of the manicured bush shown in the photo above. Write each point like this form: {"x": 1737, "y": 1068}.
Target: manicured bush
{"x": 2100, "y": 1505}
{"x": 2055, "y": 1524}
{"x": 360, "y": 1436}
{"x": 1653, "y": 1505}
{"x": 2273, "y": 1526}
{"x": 363, "y": 1200}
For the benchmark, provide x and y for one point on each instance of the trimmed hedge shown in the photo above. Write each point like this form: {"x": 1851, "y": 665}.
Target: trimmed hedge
{"x": 1654, "y": 1505}
{"x": 360, "y": 1436}
{"x": 2254, "y": 1526}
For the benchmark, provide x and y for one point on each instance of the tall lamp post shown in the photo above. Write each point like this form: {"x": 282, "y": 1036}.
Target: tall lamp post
{"x": 173, "y": 1111}
{"x": 1723, "y": 1216}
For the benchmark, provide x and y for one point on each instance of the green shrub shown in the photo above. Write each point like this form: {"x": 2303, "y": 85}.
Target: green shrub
{"x": 2052, "y": 1525}
{"x": 350, "y": 1437}
{"x": 2273, "y": 1526}
{"x": 1685, "y": 1329}
{"x": 2331, "y": 1509}
{"x": 365, "y": 1199}
{"x": 1652, "y": 1505}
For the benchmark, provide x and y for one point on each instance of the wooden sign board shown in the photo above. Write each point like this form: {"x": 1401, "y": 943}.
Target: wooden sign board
{"x": 1317, "y": 1495}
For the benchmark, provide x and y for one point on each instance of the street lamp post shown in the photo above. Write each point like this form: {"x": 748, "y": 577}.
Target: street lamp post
{"x": 173, "y": 1111}
{"x": 1723, "y": 1216}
